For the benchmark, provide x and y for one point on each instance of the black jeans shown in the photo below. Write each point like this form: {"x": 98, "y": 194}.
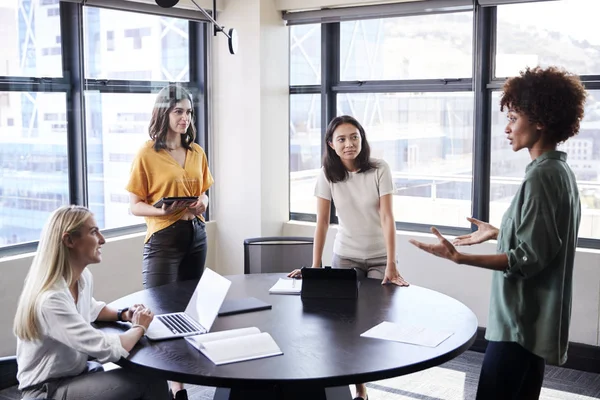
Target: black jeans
{"x": 176, "y": 253}
{"x": 509, "y": 372}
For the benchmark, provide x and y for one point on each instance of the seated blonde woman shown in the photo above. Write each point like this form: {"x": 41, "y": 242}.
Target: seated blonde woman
{"x": 54, "y": 315}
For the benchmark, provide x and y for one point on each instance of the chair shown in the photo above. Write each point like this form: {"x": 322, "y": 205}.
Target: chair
{"x": 8, "y": 379}
{"x": 277, "y": 254}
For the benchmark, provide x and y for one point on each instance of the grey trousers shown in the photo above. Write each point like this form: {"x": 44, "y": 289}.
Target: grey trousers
{"x": 117, "y": 384}
{"x": 369, "y": 268}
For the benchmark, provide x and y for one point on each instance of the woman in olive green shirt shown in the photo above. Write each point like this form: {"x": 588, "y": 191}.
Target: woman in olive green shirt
{"x": 530, "y": 306}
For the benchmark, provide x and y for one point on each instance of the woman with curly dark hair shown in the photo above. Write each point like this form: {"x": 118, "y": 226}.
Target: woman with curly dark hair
{"x": 530, "y": 306}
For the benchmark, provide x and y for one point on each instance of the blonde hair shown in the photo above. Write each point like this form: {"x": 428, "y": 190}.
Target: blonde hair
{"x": 49, "y": 265}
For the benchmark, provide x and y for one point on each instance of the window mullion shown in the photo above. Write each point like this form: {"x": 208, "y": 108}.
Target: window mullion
{"x": 484, "y": 28}
{"x": 71, "y": 17}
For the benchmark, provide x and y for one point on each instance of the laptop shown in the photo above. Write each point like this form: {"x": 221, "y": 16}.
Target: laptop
{"x": 329, "y": 283}
{"x": 200, "y": 313}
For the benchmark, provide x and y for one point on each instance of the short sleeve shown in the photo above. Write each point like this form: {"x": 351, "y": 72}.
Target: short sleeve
{"x": 323, "y": 188}
{"x": 138, "y": 177}
{"x": 385, "y": 183}
{"x": 207, "y": 178}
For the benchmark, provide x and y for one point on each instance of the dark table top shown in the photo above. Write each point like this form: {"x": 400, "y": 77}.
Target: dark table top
{"x": 320, "y": 340}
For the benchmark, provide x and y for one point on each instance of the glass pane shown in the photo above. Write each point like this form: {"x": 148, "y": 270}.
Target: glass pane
{"x": 131, "y": 46}
{"x": 427, "y": 139}
{"x": 305, "y": 54}
{"x": 508, "y": 167}
{"x": 30, "y": 44}
{"x": 305, "y": 151}
{"x": 563, "y": 33}
{"x": 116, "y": 128}
{"x": 407, "y": 47}
{"x": 34, "y": 178}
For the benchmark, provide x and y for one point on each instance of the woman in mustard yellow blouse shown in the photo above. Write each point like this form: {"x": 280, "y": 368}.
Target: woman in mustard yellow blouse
{"x": 171, "y": 165}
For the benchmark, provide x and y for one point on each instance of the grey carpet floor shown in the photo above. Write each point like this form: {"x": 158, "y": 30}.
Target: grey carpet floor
{"x": 454, "y": 380}
{"x": 457, "y": 380}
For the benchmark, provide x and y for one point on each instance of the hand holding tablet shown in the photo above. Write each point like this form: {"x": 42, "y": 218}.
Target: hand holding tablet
{"x": 170, "y": 200}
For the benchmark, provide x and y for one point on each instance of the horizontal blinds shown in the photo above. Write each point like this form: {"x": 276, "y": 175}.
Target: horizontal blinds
{"x": 489, "y": 3}
{"x": 376, "y": 11}
{"x": 185, "y": 9}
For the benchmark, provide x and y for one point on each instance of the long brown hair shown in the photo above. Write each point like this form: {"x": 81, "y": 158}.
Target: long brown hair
{"x": 335, "y": 171}
{"x": 165, "y": 102}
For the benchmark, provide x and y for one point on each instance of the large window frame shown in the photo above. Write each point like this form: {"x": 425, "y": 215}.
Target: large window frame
{"x": 74, "y": 85}
{"x": 483, "y": 83}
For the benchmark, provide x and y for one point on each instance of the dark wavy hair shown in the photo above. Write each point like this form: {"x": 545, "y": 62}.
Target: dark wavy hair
{"x": 165, "y": 102}
{"x": 335, "y": 171}
{"x": 551, "y": 97}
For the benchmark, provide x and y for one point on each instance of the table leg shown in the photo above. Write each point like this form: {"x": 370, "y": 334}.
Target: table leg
{"x": 284, "y": 393}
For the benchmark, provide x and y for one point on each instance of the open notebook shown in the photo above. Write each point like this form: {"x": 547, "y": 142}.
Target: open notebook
{"x": 235, "y": 345}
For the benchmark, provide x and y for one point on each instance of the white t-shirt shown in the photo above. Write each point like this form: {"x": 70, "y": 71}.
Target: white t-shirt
{"x": 357, "y": 203}
{"x": 67, "y": 336}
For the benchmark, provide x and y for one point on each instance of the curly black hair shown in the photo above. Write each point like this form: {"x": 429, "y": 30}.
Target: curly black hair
{"x": 551, "y": 97}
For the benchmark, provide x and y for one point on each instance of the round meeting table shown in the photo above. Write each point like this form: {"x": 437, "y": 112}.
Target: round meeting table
{"x": 323, "y": 350}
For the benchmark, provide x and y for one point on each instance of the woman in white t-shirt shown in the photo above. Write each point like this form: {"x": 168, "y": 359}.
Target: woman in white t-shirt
{"x": 361, "y": 188}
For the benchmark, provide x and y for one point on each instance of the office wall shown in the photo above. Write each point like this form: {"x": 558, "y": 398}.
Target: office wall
{"x": 471, "y": 285}
{"x": 250, "y": 128}
{"x": 119, "y": 274}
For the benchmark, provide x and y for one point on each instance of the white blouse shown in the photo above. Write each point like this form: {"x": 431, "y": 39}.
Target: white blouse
{"x": 67, "y": 336}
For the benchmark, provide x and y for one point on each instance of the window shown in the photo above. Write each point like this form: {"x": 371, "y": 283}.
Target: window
{"x": 33, "y": 164}
{"x": 151, "y": 48}
{"x": 38, "y": 126}
{"x": 113, "y": 139}
{"x": 410, "y": 81}
{"x": 29, "y": 39}
{"x": 427, "y": 140}
{"x": 305, "y": 151}
{"x": 561, "y": 33}
{"x": 423, "y": 129}
{"x": 421, "y": 47}
{"x": 305, "y": 54}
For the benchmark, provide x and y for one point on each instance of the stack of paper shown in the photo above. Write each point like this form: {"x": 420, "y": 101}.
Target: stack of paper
{"x": 408, "y": 334}
{"x": 287, "y": 286}
{"x": 235, "y": 345}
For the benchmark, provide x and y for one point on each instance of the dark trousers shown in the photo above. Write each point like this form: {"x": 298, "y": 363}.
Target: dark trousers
{"x": 509, "y": 372}
{"x": 176, "y": 253}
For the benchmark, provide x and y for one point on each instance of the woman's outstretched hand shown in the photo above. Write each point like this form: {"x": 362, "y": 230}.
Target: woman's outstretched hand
{"x": 483, "y": 233}
{"x": 443, "y": 248}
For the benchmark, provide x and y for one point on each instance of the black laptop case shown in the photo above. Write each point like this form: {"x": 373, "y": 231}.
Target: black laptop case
{"x": 330, "y": 283}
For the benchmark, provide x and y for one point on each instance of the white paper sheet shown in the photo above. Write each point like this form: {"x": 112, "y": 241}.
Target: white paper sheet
{"x": 417, "y": 335}
{"x": 286, "y": 286}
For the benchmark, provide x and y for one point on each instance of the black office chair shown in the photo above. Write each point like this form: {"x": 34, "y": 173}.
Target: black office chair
{"x": 8, "y": 378}
{"x": 277, "y": 254}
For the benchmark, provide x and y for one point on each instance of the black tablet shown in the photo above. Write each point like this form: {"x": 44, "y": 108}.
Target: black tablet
{"x": 330, "y": 283}
{"x": 169, "y": 200}
{"x": 238, "y": 306}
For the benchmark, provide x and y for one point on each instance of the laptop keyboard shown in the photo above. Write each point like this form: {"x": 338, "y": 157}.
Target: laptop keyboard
{"x": 177, "y": 323}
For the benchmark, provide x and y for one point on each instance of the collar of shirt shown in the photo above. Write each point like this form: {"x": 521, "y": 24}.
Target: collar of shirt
{"x": 553, "y": 154}
{"x": 81, "y": 283}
